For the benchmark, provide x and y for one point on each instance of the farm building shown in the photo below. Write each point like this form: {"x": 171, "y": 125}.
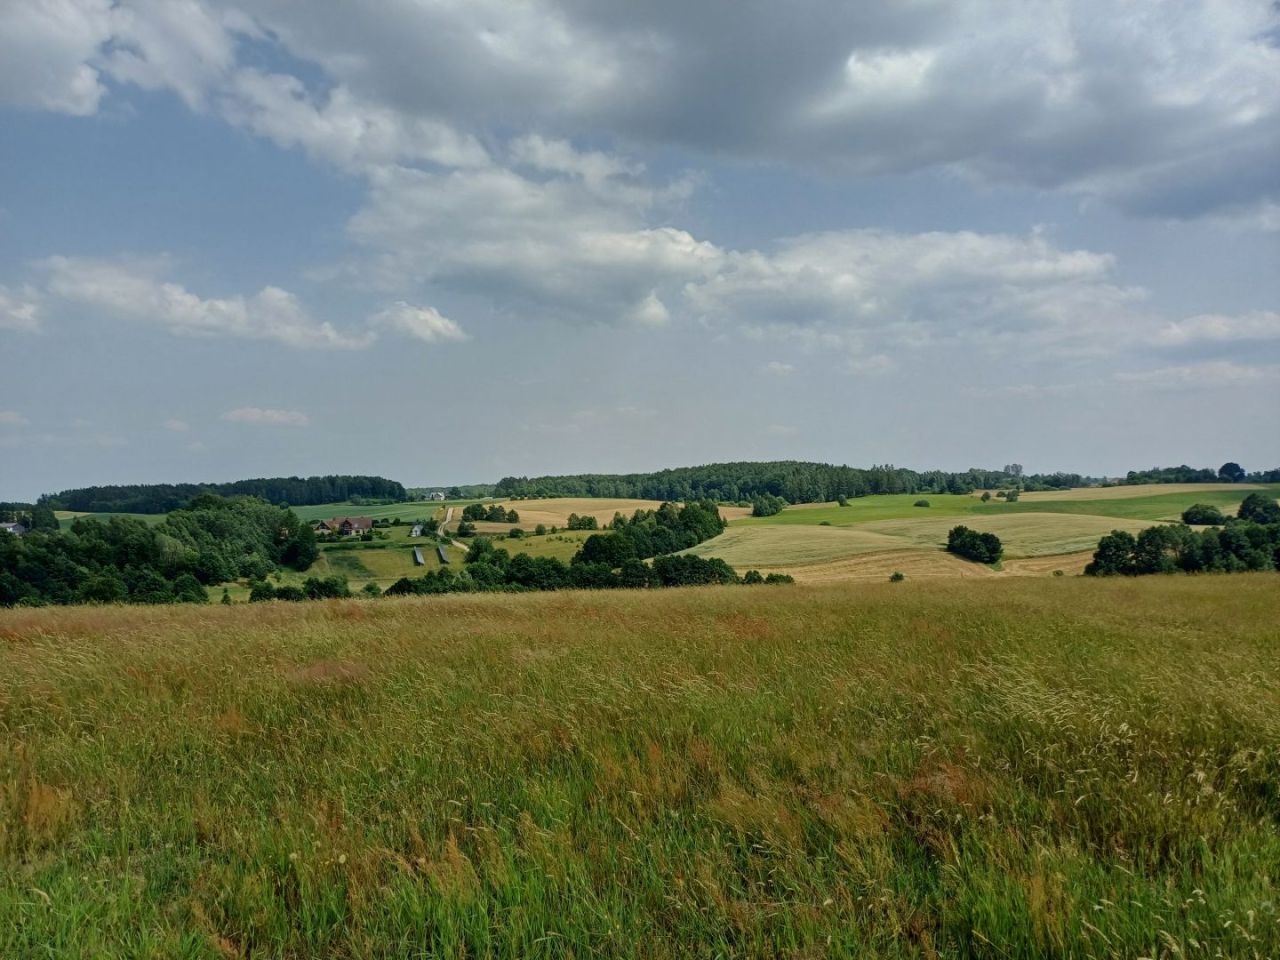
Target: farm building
{"x": 418, "y": 559}
{"x": 438, "y": 495}
{"x": 346, "y": 526}
{"x": 416, "y": 531}
{"x": 17, "y": 529}
{"x": 444, "y": 557}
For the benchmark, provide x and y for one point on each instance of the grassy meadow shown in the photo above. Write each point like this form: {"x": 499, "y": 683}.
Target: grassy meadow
{"x": 994, "y": 768}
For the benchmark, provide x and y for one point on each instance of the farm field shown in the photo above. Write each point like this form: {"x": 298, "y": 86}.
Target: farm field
{"x": 876, "y": 536}
{"x": 990, "y": 768}
{"x": 555, "y": 511}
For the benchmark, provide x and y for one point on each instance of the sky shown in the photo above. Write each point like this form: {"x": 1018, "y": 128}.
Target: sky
{"x": 448, "y": 241}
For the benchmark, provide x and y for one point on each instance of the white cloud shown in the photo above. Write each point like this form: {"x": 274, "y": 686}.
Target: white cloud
{"x": 19, "y": 310}
{"x": 1212, "y": 327}
{"x": 779, "y": 369}
{"x": 45, "y": 54}
{"x": 267, "y": 416}
{"x": 176, "y": 425}
{"x": 863, "y": 287}
{"x": 1165, "y": 107}
{"x": 1213, "y": 373}
{"x": 422, "y": 323}
{"x": 11, "y": 418}
{"x": 135, "y": 291}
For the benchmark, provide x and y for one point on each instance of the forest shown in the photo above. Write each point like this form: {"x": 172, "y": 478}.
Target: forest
{"x": 163, "y": 497}
{"x": 121, "y": 560}
{"x": 794, "y": 481}
{"x": 1248, "y": 541}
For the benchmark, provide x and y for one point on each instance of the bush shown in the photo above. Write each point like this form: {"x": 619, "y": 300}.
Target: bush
{"x": 515, "y": 533}
{"x": 975, "y": 546}
{"x": 540, "y": 530}
{"x": 1203, "y": 514}
{"x": 779, "y": 578}
{"x": 842, "y": 501}
{"x": 767, "y": 505}
{"x": 921, "y": 503}
{"x": 897, "y": 577}
{"x": 1259, "y": 508}
{"x": 752, "y": 577}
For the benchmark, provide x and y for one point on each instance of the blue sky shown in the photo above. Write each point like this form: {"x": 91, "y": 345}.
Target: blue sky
{"x": 451, "y": 241}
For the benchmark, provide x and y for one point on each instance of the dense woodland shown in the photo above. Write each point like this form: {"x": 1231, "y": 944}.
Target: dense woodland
{"x": 1227, "y": 473}
{"x": 163, "y": 497}
{"x": 793, "y": 481}
{"x": 213, "y": 540}
{"x": 1248, "y": 541}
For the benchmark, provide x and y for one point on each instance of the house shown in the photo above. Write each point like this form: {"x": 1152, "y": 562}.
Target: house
{"x": 346, "y": 526}
{"x": 416, "y": 531}
{"x": 17, "y": 529}
{"x": 437, "y": 495}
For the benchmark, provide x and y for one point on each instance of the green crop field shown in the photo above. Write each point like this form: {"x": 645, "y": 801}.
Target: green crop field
{"x": 994, "y": 768}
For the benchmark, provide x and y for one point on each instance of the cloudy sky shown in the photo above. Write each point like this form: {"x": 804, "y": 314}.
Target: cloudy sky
{"x": 451, "y": 240}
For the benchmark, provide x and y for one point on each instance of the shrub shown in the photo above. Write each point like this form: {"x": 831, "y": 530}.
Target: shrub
{"x": 752, "y": 577}
{"x": 897, "y": 577}
{"x": 766, "y": 505}
{"x": 1259, "y": 508}
{"x": 975, "y": 546}
{"x": 921, "y": 503}
{"x": 515, "y": 533}
{"x": 779, "y": 578}
{"x": 1203, "y": 514}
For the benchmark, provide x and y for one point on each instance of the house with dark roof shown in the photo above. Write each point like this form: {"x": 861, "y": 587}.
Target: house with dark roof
{"x": 346, "y": 526}
{"x": 17, "y": 529}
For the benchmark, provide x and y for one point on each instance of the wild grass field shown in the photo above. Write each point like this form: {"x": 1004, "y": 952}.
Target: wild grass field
{"x": 994, "y": 768}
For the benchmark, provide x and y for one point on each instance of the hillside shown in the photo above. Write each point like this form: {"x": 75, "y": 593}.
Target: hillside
{"x": 995, "y": 768}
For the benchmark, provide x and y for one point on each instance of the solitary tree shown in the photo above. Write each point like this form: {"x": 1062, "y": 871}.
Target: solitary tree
{"x": 1232, "y": 472}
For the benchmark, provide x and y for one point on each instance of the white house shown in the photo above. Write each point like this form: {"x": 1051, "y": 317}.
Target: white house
{"x": 17, "y": 529}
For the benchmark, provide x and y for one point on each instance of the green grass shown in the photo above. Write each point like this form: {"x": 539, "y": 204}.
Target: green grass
{"x": 900, "y": 507}
{"x": 1010, "y": 768}
{"x": 1158, "y": 507}
{"x": 864, "y": 509}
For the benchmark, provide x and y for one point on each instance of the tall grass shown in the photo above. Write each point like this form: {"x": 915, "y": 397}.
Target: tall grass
{"x": 1034, "y": 768}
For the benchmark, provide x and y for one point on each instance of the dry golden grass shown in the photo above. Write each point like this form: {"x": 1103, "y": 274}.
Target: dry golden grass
{"x": 555, "y": 511}
{"x": 1138, "y": 490}
{"x": 1024, "y": 534}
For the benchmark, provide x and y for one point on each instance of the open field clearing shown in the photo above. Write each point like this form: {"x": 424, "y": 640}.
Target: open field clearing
{"x": 782, "y": 548}
{"x": 1166, "y": 506}
{"x": 863, "y": 509}
{"x": 555, "y": 511}
{"x": 1129, "y": 492}
{"x": 1023, "y": 534}
{"x": 1002, "y": 767}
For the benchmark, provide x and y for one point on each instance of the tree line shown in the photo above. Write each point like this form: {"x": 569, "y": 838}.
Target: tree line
{"x": 1248, "y": 541}
{"x": 793, "y": 481}
{"x": 1227, "y": 473}
{"x": 121, "y": 560}
{"x": 164, "y": 497}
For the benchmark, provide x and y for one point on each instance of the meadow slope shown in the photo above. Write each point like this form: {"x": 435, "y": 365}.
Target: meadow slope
{"x": 986, "y": 768}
